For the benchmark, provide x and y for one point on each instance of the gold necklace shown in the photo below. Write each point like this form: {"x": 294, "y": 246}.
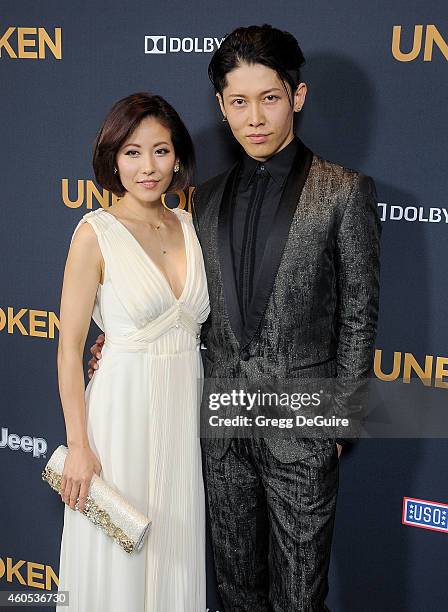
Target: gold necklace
{"x": 157, "y": 228}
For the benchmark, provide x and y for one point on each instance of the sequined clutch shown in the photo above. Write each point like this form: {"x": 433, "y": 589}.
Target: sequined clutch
{"x": 104, "y": 506}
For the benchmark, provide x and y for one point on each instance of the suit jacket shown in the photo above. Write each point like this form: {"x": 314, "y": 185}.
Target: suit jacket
{"x": 315, "y": 307}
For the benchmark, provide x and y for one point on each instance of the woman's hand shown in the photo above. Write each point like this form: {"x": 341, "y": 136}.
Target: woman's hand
{"x": 80, "y": 465}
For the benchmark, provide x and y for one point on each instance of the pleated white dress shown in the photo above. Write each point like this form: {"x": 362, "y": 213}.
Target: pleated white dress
{"x": 143, "y": 424}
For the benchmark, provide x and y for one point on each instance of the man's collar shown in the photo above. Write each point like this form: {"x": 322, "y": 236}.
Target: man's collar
{"x": 278, "y": 166}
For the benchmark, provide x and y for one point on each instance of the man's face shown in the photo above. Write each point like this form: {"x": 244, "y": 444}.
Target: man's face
{"x": 259, "y": 109}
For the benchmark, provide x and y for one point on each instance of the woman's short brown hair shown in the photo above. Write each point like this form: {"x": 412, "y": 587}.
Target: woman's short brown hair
{"x": 121, "y": 121}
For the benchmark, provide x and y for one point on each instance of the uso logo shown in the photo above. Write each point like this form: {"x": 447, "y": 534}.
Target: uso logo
{"x": 425, "y": 514}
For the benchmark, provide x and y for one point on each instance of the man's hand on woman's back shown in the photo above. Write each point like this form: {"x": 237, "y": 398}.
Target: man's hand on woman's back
{"x": 96, "y": 352}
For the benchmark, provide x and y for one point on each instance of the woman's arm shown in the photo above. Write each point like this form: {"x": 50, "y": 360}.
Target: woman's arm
{"x": 81, "y": 278}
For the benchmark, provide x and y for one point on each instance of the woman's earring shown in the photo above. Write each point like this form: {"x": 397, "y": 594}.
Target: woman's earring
{"x": 224, "y": 119}
{"x": 176, "y": 167}
{"x": 115, "y": 171}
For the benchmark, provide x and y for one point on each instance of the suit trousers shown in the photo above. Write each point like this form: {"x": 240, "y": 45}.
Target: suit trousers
{"x": 272, "y": 526}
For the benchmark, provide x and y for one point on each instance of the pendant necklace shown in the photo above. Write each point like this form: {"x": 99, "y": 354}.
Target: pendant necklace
{"x": 157, "y": 229}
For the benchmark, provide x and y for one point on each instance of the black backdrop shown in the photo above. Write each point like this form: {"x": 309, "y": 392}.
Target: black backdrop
{"x": 377, "y": 102}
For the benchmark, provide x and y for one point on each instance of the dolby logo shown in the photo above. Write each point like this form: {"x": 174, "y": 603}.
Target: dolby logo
{"x": 161, "y": 45}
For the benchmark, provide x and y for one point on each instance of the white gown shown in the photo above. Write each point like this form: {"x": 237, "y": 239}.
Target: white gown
{"x": 143, "y": 423}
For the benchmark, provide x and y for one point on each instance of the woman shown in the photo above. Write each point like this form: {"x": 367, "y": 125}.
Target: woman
{"x": 137, "y": 268}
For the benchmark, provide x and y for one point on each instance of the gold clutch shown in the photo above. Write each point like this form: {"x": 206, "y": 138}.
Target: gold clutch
{"x": 104, "y": 506}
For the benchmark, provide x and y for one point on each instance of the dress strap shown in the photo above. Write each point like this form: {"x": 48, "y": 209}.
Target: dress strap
{"x": 98, "y": 219}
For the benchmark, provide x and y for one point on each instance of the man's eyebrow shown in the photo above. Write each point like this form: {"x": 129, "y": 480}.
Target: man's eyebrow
{"x": 262, "y": 93}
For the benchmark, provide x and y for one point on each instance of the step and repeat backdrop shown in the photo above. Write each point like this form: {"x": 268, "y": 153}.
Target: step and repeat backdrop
{"x": 378, "y": 95}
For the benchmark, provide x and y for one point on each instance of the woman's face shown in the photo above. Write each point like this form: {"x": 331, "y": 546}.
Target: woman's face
{"x": 146, "y": 160}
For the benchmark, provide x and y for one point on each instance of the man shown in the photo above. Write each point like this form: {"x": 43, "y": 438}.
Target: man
{"x": 291, "y": 249}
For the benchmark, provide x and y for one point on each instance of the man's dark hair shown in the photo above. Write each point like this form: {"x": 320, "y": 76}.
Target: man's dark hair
{"x": 121, "y": 121}
{"x": 257, "y": 45}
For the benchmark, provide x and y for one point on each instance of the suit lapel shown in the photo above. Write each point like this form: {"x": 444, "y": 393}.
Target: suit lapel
{"x": 276, "y": 242}
{"x": 226, "y": 255}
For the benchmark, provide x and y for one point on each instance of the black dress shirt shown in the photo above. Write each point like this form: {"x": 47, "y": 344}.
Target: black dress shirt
{"x": 256, "y": 199}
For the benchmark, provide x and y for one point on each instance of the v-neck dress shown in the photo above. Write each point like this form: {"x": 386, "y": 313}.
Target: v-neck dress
{"x": 142, "y": 408}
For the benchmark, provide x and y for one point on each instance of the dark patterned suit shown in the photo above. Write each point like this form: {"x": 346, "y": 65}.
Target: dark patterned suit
{"x": 313, "y": 315}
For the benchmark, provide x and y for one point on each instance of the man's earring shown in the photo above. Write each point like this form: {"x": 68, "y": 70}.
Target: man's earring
{"x": 115, "y": 171}
{"x": 176, "y": 167}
